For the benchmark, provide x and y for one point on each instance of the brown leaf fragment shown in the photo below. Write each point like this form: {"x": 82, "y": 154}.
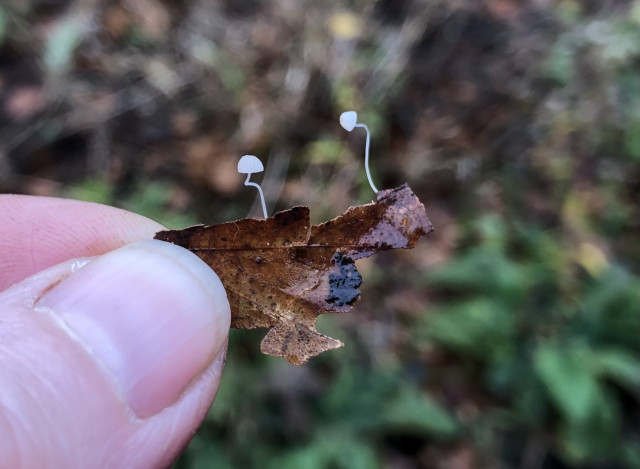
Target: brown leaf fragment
{"x": 281, "y": 272}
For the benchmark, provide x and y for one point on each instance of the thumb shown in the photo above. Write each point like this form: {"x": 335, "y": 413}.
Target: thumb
{"x": 111, "y": 361}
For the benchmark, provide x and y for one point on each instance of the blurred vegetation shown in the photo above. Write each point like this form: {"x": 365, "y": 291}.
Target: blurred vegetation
{"x": 508, "y": 338}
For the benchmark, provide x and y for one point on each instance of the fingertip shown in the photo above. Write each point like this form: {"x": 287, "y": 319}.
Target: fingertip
{"x": 143, "y": 412}
{"x": 152, "y": 313}
{"x": 40, "y": 232}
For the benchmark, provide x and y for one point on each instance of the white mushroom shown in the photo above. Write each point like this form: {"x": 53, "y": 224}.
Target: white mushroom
{"x": 248, "y": 165}
{"x": 348, "y": 120}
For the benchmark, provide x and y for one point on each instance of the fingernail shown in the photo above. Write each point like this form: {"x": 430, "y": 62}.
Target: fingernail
{"x": 152, "y": 313}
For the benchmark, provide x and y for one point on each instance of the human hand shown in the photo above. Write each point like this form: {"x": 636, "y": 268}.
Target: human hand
{"x": 107, "y": 361}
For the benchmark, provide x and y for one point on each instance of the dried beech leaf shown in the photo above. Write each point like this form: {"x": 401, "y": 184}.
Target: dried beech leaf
{"x": 281, "y": 272}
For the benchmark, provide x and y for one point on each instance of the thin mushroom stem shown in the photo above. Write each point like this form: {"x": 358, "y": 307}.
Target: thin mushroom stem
{"x": 264, "y": 206}
{"x": 366, "y": 156}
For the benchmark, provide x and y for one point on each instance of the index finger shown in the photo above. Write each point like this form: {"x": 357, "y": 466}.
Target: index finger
{"x": 39, "y": 232}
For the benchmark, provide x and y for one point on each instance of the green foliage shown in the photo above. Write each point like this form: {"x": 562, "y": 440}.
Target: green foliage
{"x": 330, "y": 449}
{"x": 619, "y": 366}
{"x": 551, "y": 340}
{"x": 261, "y": 421}
{"x": 559, "y": 65}
{"x": 91, "y": 190}
{"x": 228, "y": 71}
{"x": 570, "y": 381}
{"x": 3, "y": 24}
{"x": 416, "y": 412}
{"x": 62, "y": 42}
{"x": 150, "y": 199}
{"x": 469, "y": 326}
{"x": 326, "y": 150}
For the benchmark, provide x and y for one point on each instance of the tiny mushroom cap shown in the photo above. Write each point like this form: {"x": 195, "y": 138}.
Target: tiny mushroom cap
{"x": 249, "y": 164}
{"x": 348, "y": 120}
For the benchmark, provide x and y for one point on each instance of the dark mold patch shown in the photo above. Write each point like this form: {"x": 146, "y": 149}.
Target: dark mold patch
{"x": 343, "y": 286}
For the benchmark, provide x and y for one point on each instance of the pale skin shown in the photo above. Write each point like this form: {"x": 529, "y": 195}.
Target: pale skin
{"x": 59, "y": 407}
